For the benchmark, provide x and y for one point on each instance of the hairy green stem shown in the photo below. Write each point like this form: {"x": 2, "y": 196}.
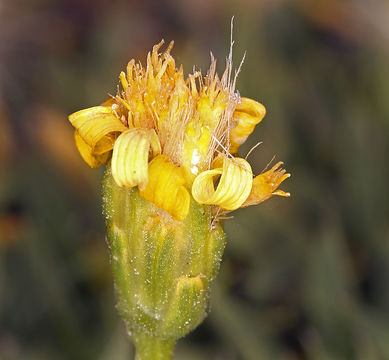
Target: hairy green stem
{"x": 152, "y": 348}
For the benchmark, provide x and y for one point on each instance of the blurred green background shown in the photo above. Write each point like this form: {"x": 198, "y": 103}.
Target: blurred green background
{"x": 302, "y": 278}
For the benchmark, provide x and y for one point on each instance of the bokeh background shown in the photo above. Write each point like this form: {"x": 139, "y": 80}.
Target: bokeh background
{"x": 302, "y": 278}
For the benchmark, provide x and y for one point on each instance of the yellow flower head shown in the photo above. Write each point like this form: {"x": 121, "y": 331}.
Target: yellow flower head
{"x": 175, "y": 138}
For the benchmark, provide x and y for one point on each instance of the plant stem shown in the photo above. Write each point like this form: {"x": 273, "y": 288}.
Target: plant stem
{"x": 153, "y": 348}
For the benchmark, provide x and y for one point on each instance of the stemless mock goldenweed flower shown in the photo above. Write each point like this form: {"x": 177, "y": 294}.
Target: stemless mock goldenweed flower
{"x": 175, "y": 138}
{"x": 169, "y": 143}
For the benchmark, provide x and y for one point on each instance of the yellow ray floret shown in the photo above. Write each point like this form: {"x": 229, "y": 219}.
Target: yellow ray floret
{"x": 97, "y": 126}
{"x": 265, "y": 185}
{"x": 246, "y": 116}
{"x": 130, "y": 157}
{"x": 94, "y": 161}
{"x": 234, "y": 187}
{"x": 166, "y": 187}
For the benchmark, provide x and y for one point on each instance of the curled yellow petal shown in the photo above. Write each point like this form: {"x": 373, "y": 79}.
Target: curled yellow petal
{"x": 130, "y": 156}
{"x": 93, "y": 160}
{"x": 166, "y": 187}
{"x": 246, "y": 116}
{"x": 265, "y": 185}
{"x": 234, "y": 186}
{"x": 96, "y": 125}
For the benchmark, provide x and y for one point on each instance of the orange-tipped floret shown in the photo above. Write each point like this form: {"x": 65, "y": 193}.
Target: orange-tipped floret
{"x": 266, "y": 185}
